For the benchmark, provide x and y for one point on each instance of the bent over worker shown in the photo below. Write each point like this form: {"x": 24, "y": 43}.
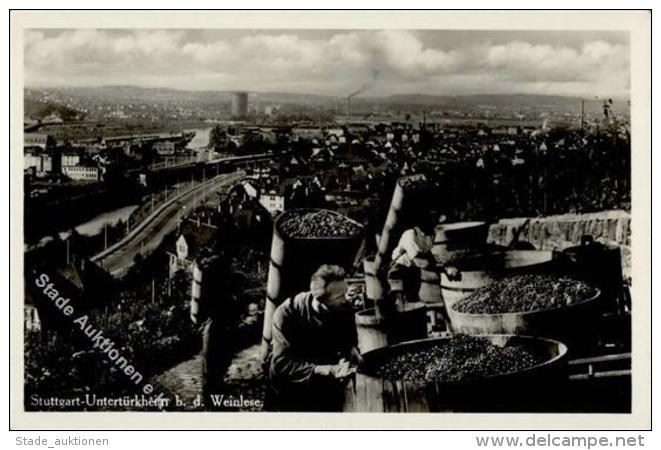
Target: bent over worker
{"x": 314, "y": 346}
{"x": 410, "y": 257}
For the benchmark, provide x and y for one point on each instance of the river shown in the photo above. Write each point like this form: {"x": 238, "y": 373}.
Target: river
{"x": 95, "y": 225}
{"x": 201, "y": 138}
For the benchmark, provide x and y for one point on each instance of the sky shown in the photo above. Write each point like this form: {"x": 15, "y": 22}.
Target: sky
{"x": 335, "y": 62}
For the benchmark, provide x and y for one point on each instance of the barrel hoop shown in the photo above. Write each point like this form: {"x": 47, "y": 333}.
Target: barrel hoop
{"x": 457, "y": 289}
{"x": 275, "y": 264}
{"x": 427, "y": 275}
{"x": 441, "y": 242}
{"x": 272, "y": 300}
{"x": 431, "y": 306}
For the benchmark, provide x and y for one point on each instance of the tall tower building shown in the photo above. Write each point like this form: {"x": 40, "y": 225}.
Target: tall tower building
{"x": 239, "y": 104}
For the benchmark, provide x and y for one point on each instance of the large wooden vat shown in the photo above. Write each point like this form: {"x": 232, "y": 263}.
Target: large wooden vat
{"x": 454, "y": 235}
{"x": 575, "y": 325}
{"x": 207, "y": 287}
{"x": 404, "y": 205}
{"x": 294, "y": 260}
{"x": 522, "y": 391}
{"x": 373, "y": 284}
{"x": 601, "y": 266}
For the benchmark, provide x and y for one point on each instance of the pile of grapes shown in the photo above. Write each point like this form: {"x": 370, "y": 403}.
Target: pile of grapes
{"x": 457, "y": 359}
{"x": 318, "y": 224}
{"x": 525, "y": 293}
{"x": 413, "y": 183}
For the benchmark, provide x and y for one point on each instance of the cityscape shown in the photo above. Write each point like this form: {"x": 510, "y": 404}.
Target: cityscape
{"x": 178, "y": 222}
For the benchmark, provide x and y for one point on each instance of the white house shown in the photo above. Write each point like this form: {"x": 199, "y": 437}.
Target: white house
{"x": 273, "y": 202}
{"x": 82, "y": 173}
{"x": 70, "y": 159}
{"x": 41, "y": 162}
{"x": 35, "y": 140}
{"x": 32, "y": 321}
{"x": 165, "y": 148}
{"x": 193, "y": 239}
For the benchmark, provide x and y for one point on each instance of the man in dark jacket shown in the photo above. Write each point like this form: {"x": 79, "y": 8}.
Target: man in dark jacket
{"x": 314, "y": 346}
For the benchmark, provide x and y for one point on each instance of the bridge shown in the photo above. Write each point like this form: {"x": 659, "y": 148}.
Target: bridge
{"x": 196, "y": 163}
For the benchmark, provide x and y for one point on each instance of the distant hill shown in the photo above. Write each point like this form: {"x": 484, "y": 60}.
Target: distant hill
{"x": 502, "y": 100}
{"x": 134, "y": 94}
{"x": 40, "y": 110}
{"x": 482, "y": 99}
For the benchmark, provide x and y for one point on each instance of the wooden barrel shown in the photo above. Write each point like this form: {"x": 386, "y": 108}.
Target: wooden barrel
{"x": 481, "y": 269}
{"x": 526, "y": 390}
{"x": 601, "y": 266}
{"x": 430, "y": 285}
{"x": 196, "y": 294}
{"x": 575, "y": 324}
{"x": 373, "y": 284}
{"x": 409, "y": 323}
{"x": 206, "y": 287}
{"x": 459, "y": 235}
{"x": 403, "y": 204}
{"x": 430, "y": 295}
{"x": 294, "y": 260}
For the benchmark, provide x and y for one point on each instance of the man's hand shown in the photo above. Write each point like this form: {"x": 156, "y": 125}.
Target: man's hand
{"x": 453, "y": 273}
{"x": 339, "y": 371}
{"x": 343, "y": 369}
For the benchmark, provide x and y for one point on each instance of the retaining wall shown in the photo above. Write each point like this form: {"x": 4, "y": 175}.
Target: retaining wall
{"x": 561, "y": 231}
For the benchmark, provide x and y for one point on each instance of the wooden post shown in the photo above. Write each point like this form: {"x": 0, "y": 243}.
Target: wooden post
{"x": 546, "y": 189}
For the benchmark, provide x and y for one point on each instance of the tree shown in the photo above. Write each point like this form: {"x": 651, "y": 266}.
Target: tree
{"x": 217, "y": 138}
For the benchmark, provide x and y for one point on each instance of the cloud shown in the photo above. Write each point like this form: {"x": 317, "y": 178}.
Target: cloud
{"x": 526, "y": 62}
{"x": 335, "y": 64}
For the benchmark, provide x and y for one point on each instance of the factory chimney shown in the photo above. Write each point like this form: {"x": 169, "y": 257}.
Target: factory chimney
{"x": 349, "y": 97}
{"x": 348, "y": 109}
{"x": 363, "y": 88}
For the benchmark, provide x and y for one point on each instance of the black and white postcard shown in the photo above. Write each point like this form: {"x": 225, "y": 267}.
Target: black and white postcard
{"x": 360, "y": 214}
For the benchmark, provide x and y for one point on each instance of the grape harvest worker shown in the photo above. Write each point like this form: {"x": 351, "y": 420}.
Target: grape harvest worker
{"x": 413, "y": 252}
{"x": 314, "y": 346}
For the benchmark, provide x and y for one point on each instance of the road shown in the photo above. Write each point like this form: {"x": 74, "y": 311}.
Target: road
{"x": 147, "y": 237}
